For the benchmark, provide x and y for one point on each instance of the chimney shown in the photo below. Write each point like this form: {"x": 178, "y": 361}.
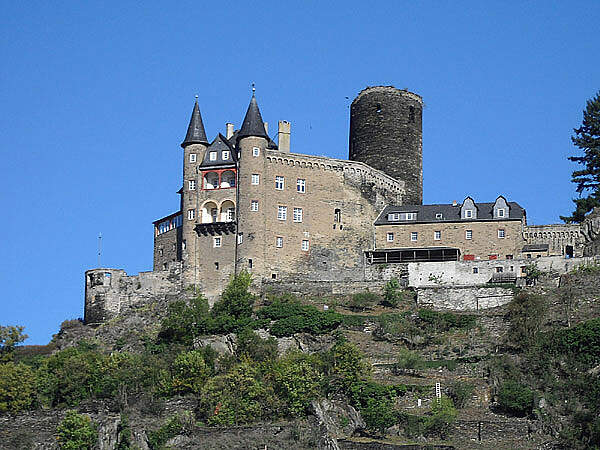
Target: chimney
{"x": 284, "y": 136}
{"x": 228, "y": 130}
{"x": 266, "y": 127}
{"x": 454, "y": 203}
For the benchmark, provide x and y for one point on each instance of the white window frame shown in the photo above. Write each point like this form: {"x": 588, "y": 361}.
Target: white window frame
{"x": 468, "y": 234}
{"x": 411, "y": 216}
{"x": 501, "y": 212}
{"x": 279, "y": 242}
{"x": 281, "y": 212}
{"x": 254, "y": 205}
{"x": 212, "y": 156}
{"x": 501, "y": 233}
{"x": 301, "y": 185}
{"x": 414, "y": 236}
{"x": 191, "y": 214}
{"x": 230, "y": 214}
{"x": 192, "y": 185}
{"x": 298, "y": 215}
{"x": 225, "y": 155}
{"x": 255, "y": 179}
{"x": 279, "y": 183}
{"x": 305, "y": 245}
{"x": 240, "y": 238}
{"x": 217, "y": 242}
{"x": 255, "y": 151}
{"x": 390, "y": 237}
{"x": 437, "y": 235}
{"x": 394, "y": 217}
{"x": 192, "y": 157}
{"x": 468, "y": 213}
{"x": 439, "y": 215}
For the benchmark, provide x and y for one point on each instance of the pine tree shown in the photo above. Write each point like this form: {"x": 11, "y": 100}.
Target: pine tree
{"x": 587, "y": 138}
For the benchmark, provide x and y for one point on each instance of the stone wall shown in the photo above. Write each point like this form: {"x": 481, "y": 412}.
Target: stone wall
{"x": 466, "y": 298}
{"x": 109, "y": 291}
{"x": 167, "y": 248}
{"x": 321, "y": 288}
{"x": 557, "y": 236}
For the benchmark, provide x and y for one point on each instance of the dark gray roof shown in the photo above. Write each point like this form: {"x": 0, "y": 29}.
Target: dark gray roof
{"x": 195, "y": 132}
{"x": 253, "y": 124}
{"x": 450, "y": 213}
{"x": 536, "y": 247}
{"x": 218, "y": 145}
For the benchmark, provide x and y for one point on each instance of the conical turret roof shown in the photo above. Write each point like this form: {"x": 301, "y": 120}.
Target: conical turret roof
{"x": 253, "y": 124}
{"x": 195, "y": 132}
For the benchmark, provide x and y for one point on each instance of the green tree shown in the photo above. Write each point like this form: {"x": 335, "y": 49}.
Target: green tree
{"x": 76, "y": 432}
{"x": 10, "y": 337}
{"x": 298, "y": 381}
{"x": 392, "y": 293}
{"x": 236, "y": 300}
{"x": 189, "y": 372}
{"x": 515, "y": 398}
{"x": 17, "y": 387}
{"x": 526, "y": 314}
{"x": 587, "y": 138}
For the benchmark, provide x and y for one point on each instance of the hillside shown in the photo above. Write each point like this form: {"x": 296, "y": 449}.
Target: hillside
{"x": 312, "y": 372}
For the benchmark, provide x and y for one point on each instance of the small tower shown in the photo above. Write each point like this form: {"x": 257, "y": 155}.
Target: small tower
{"x": 386, "y": 132}
{"x": 194, "y": 147}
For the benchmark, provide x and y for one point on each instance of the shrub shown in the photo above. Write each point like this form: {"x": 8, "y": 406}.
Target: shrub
{"x": 443, "y": 415}
{"x": 363, "y": 300}
{"x": 526, "y": 314}
{"x": 346, "y": 366}
{"x": 376, "y": 403}
{"x": 514, "y": 398}
{"x": 292, "y": 317}
{"x": 185, "y": 321}
{"x": 76, "y": 432}
{"x": 189, "y": 372}
{"x": 10, "y": 337}
{"x": 236, "y": 301}
{"x": 70, "y": 324}
{"x": 174, "y": 426}
{"x": 440, "y": 322}
{"x": 407, "y": 360}
{"x": 392, "y": 327}
{"x": 17, "y": 387}
{"x": 251, "y": 345}
{"x": 392, "y": 293}
{"x": 460, "y": 392}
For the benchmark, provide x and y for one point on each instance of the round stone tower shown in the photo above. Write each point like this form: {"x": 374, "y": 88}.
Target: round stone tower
{"x": 386, "y": 133}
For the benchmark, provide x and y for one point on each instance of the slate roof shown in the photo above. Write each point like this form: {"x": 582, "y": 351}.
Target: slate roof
{"x": 219, "y": 144}
{"x": 253, "y": 124}
{"x": 450, "y": 213}
{"x": 195, "y": 132}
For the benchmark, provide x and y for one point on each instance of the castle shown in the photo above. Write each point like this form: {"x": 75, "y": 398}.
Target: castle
{"x": 249, "y": 203}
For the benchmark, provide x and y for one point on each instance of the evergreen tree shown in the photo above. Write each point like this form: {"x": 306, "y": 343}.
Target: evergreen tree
{"x": 587, "y": 138}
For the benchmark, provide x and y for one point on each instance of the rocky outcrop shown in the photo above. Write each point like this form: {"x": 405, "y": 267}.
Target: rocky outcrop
{"x": 335, "y": 420}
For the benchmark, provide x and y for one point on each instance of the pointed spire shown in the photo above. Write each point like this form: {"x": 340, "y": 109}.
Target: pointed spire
{"x": 253, "y": 124}
{"x": 195, "y": 132}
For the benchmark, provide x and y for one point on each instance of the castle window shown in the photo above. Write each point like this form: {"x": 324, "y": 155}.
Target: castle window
{"x": 501, "y": 233}
{"x": 279, "y": 242}
{"x": 212, "y": 156}
{"x": 255, "y": 151}
{"x": 469, "y": 213}
{"x": 191, "y": 214}
{"x": 216, "y": 266}
{"x": 225, "y": 155}
{"x": 160, "y": 252}
{"x": 337, "y": 215}
{"x": 279, "y": 183}
{"x": 254, "y": 205}
{"x": 475, "y": 270}
{"x": 301, "y": 185}
{"x": 183, "y": 245}
{"x": 499, "y": 269}
{"x": 255, "y": 179}
{"x": 230, "y": 214}
{"x": 297, "y": 214}
{"x": 192, "y": 157}
{"x": 192, "y": 185}
{"x": 414, "y": 236}
{"x": 304, "y": 245}
{"x": 390, "y": 237}
{"x": 469, "y": 234}
{"x": 214, "y": 213}
{"x": 437, "y": 235}
{"x": 240, "y": 238}
{"x": 250, "y": 264}
{"x": 501, "y": 212}
{"x": 211, "y": 180}
{"x": 217, "y": 241}
{"x": 228, "y": 179}
{"x": 274, "y": 276}
{"x": 282, "y": 213}
{"x": 439, "y": 216}
{"x": 394, "y": 217}
{"x": 164, "y": 266}
{"x": 411, "y": 114}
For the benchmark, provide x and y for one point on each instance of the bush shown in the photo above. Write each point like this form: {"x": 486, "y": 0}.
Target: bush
{"x": 440, "y": 322}
{"x": 189, "y": 372}
{"x": 526, "y": 314}
{"x": 514, "y": 398}
{"x": 407, "y": 360}
{"x": 76, "y": 432}
{"x": 461, "y": 392}
{"x": 17, "y": 387}
{"x": 236, "y": 301}
{"x": 443, "y": 415}
{"x": 251, "y": 345}
{"x": 292, "y": 317}
{"x": 174, "y": 426}
{"x": 298, "y": 380}
{"x": 376, "y": 403}
{"x": 10, "y": 337}
{"x": 346, "y": 366}
{"x": 392, "y": 293}
{"x": 363, "y": 300}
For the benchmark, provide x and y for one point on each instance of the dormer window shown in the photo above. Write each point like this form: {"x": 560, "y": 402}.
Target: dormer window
{"x": 212, "y": 156}
{"x": 439, "y": 216}
{"x": 394, "y": 217}
{"x": 225, "y": 155}
{"x": 469, "y": 213}
{"x": 501, "y": 212}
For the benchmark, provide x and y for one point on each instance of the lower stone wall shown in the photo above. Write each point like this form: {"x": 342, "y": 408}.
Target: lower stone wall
{"x": 463, "y": 298}
{"x": 321, "y": 288}
{"x": 517, "y": 430}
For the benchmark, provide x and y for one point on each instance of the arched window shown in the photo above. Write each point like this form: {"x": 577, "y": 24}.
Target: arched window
{"x": 209, "y": 213}
{"x": 227, "y": 211}
{"x": 211, "y": 180}
{"x": 228, "y": 179}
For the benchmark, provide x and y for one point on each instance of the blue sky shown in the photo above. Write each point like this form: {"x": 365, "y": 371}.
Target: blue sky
{"x": 95, "y": 98}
